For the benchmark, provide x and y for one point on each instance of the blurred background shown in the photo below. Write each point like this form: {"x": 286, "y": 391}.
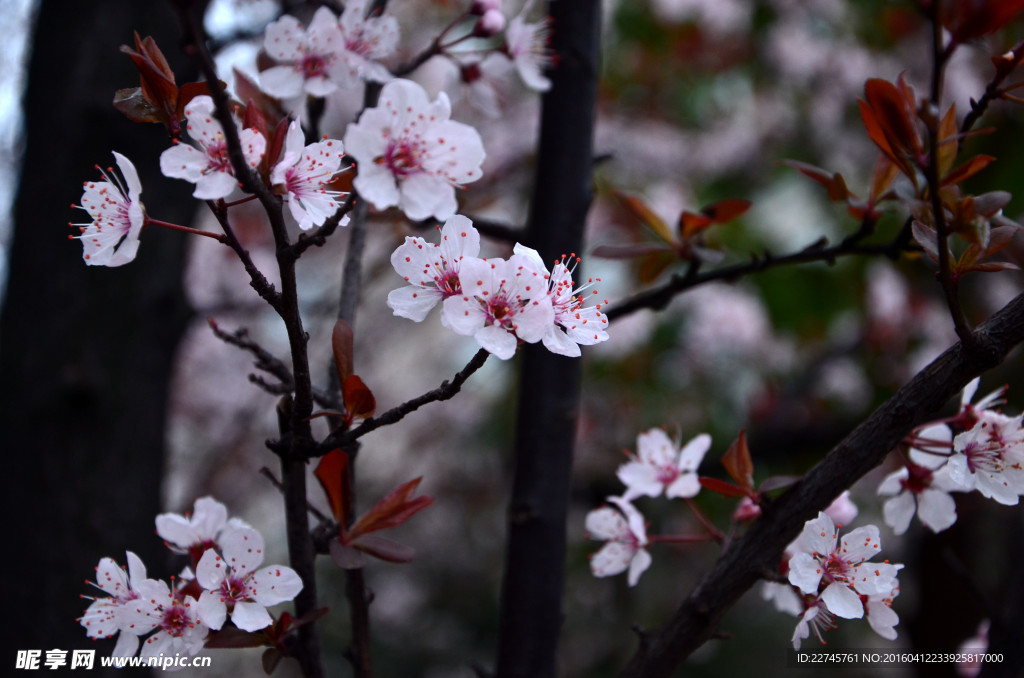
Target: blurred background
{"x": 119, "y": 402}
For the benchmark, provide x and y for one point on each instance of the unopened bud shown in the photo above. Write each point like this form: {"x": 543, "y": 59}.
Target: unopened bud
{"x": 481, "y": 7}
{"x": 491, "y": 23}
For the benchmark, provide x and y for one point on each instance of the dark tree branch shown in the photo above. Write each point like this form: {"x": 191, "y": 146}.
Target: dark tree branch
{"x": 739, "y": 568}
{"x": 659, "y": 297}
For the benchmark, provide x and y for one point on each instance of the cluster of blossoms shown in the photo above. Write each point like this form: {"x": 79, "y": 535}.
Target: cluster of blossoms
{"x": 977, "y": 449}
{"x": 330, "y": 53}
{"x": 498, "y": 302}
{"x": 177, "y": 617}
{"x": 659, "y": 466}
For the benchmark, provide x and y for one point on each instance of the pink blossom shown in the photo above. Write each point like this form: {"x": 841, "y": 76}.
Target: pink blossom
{"x": 209, "y": 166}
{"x": 365, "y": 40}
{"x": 232, "y": 584}
{"x": 196, "y": 533}
{"x": 574, "y": 324}
{"x": 625, "y": 540}
{"x": 879, "y": 612}
{"x": 172, "y": 614}
{"x": 501, "y": 302}
{"x": 112, "y": 239}
{"x": 840, "y": 570}
{"x": 432, "y": 270}
{"x": 105, "y": 616}
{"x": 304, "y": 172}
{"x": 309, "y": 56}
{"x": 990, "y": 458}
{"x": 527, "y": 46}
{"x": 922, "y": 485}
{"x": 410, "y": 154}
{"x": 660, "y": 465}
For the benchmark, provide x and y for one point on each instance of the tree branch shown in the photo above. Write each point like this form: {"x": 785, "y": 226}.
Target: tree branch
{"x": 739, "y": 568}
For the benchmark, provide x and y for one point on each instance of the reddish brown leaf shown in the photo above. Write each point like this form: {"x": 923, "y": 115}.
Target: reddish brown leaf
{"x": 641, "y": 211}
{"x": 890, "y": 107}
{"x": 359, "y": 400}
{"x": 823, "y": 177}
{"x": 948, "y": 143}
{"x": 738, "y": 463}
{"x": 885, "y": 171}
{"x": 726, "y": 210}
{"x": 690, "y": 224}
{"x": 967, "y": 170}
{"x": 133, "y": 104}
{"x": 971, "y": 19}
{"x": 270, "y": 659}
{"x": 391, "y": 511}
{"x": 654, "y": 264}
{"x": 342, "y": 341}
{"x": 332, "y": 472}
{"x": 721, "y": 487}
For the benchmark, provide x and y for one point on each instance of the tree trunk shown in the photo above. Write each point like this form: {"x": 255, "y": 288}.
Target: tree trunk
{"x": 531, "y": 605}
{"x": 85, "y": 353}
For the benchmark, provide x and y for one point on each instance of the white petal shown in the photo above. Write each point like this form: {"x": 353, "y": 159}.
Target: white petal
{"x": 842, "y": 601}
{"x": 804, "y": 572}
{"x": 211, "y": 570}
{"x": 413, "y": 303}
{"x": 819, "y": 535}
{"x": 640, "y": 479}
{"x": 882, "y": 619}
{"x": 898, "y": 511}
{"x": 462, "y": 315}
{"x": 275, "y": 584}
{"x": 496, "y": 340}
{"x": 605, "y": 524}
{"x": 936, "y": 509}
{"x": 640, "y": 562}
{"x": 282, "y": 82}
{"x": 251, "y": 616}
{"x": 612, "y": 559}
{"x": 685, "y": 486}
{"x": 242, "y": 550}
{"x": 860, "y": 545}
{"x": 693, "y": 452}
{"x": 212, "y": 610}
{"x": 126, "y": 646}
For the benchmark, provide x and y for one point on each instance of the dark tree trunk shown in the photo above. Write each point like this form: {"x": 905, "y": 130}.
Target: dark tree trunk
{"x": 85, "y": 353}
{"x": 531, "y": 605}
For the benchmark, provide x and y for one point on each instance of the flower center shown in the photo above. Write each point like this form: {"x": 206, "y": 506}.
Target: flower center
{"x": 836, "y": 568}
{"x": 313, "y": 66}
{"x": 403, "y": 158}
{"x": 219, "y": 159}
{"x": 233, "y": 590}
{"x": 175, "y": 620}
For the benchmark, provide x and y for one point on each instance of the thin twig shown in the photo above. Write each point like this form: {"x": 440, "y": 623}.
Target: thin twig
{"x": 445, "y": 391}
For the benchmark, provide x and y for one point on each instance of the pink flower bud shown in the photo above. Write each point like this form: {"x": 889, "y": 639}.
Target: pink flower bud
{"x": 481, "y": 7}
{"x": 491, "y": 23}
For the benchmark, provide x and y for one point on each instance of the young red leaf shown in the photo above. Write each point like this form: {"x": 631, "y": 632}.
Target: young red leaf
{"x": 890, "y": 107}
{"x": 384, "y": 549}
{"x": 342, "y": 342}
{"x": 654, "y": 264}
{"x": 726, "y": 210}
{"x": 641, "y": 211}
{"x": 359, "y": 400}
{"x": 721, "y": 487}
{"x": 332, "y": 472}
{"x": 135, "y": 106}
{"x": 690, "y": 224}
{"x": 738, "y": 463}
{"x": 948, "y": 144}
{"x": 967, "y": 170}
{"x": 391, "y": 511}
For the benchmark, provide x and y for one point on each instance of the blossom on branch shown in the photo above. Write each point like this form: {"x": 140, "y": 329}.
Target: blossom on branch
{"x": 839, "y": 572}
{"x": 411, "y": 155}
{"x": 112, "y": 239}
{"x": 990, "y": 458}
{"x": 173, "y": 615}
{"x": 105, "y": 616}
{"x": 574, "y": 324}
{"x": 625, "y": 540}
{"x": 232, "y": 584}
{"x": 501, "y": 303}
{"x": 198, "y": 532}
{"x": 209, "y": 166}
{"x": 308, "y": 56}
{"x": 365, "y": 40}
{"x": 659, "y": 465}
{"x": 432, "y": 270}
{"x": 527, "y": 46}
{"x": 304, "y": 173}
